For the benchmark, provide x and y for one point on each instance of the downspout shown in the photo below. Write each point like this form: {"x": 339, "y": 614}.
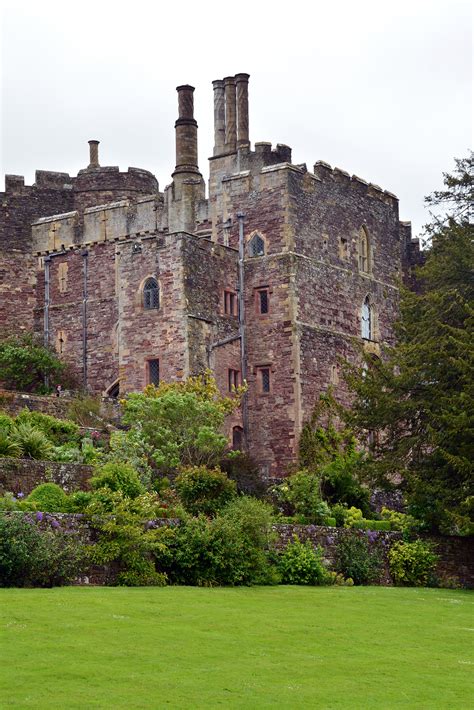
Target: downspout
{"x": 47, "y": 263}
{"x": 243, "y": 356}
{"x": 85, "y": 255}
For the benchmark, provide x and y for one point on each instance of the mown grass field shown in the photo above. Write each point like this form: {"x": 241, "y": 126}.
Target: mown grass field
{"x": 277, "y": 647}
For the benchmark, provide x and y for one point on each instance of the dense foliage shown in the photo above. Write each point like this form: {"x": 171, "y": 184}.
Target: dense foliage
{"x": 419, "y": 399}
{"x": 35, "y": 556}
{"x": 301, "y": 564}
{"x": 26, "y": 364}
{"x": 204, "y": 490}
{"x": 412, "y": 563}
{"x": 357, "y": 559}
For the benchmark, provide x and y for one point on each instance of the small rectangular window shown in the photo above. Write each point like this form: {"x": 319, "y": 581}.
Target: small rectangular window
{"x": 264, "y": 379}
{"x": 230, "y": 303}
{"x": 233, "y": 378}
{"x": 263, "y": 301}
{"x": 153, "y": 372}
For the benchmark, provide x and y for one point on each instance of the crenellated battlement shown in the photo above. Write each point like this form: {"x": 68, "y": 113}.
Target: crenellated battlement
{"x": 102, "y": 223}
{"x": 326, "y": 173}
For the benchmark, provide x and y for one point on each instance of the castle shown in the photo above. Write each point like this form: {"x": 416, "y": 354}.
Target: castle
{"x": 269, "y": 278}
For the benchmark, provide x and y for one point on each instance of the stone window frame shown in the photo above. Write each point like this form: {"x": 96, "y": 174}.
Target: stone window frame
{"x": 260, "y": 371}
{"x": 234, "y": 379}
{"x": 368, "y": 316}
{"x": 257, "y": 291}
{"x": 251, "y": 237}
{"x": 63, "y": 268}
{"x": 148, "y": 361}
{"x": 141, "y": 295}
{"x": 364, "y": 251}
{"x": 230, "y": 302}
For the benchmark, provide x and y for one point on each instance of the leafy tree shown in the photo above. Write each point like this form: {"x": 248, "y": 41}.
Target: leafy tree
{"x": 418, "y": 400}
{"x": 181, "y": 421}
{"x": 25, "y": 363}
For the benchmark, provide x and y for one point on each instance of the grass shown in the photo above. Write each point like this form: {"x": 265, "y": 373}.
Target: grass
{"x": 277, "y": 647}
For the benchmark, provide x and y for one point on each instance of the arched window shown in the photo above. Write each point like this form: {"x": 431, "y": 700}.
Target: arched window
{"x": 364, "y": 251}
{"x": 366, "y": 320}
{"x": 256, "y": 246}
{"x": 237, "y": 438}
{"x": 151, "y": 294}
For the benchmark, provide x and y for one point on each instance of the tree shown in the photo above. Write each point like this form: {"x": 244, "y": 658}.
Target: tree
{"x": 25, "y": 363}
{"x": 181, "y": 421}
{"x": 418, "y": 400}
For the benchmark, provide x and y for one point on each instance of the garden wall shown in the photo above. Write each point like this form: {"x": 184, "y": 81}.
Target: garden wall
{"x": 22, "y": 475}
{"x": 14, "y": 402}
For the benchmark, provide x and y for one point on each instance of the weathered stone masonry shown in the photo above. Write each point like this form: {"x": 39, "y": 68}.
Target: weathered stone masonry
{"x": 325, "y": 249}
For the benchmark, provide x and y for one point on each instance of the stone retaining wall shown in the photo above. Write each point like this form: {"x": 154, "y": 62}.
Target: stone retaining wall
{"x": 22, "y": 475}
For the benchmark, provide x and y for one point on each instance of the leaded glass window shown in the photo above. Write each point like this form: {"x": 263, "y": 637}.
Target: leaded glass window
{"x": 151, "y": 294}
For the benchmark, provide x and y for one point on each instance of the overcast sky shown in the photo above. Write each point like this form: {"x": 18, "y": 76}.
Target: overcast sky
{"x": 382, "y": 90}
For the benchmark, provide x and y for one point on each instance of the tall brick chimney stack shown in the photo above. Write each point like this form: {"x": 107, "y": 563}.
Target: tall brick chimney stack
{"x": 242, "y": 82}
{"x": 230, "y": 115}
{"x": 219, "y": 116}
{"x": 186, "y": 132}
{"x": 94, "y": 154}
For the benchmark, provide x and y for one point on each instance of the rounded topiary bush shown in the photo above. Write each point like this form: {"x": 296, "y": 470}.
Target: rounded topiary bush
{"x": 204, "y": 490}
{"x": 47, "y": 497}
{"x": 118, "y": 477}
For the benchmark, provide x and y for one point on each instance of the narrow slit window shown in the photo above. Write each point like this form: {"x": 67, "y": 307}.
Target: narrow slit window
{"x": 153, "y": 372}
{"x": 237, "y": 438}
{"x": 264, "y": 376}
{"x": 263, "y": 301}
{"x": 233, "y": 379}
{"x": 230, "y": 303}
{"x": 151, "y": 294}
{"x": 366, "y": 324}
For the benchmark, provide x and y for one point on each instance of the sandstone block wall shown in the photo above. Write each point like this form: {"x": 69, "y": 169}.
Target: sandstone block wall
{"x": 22, "y": 475}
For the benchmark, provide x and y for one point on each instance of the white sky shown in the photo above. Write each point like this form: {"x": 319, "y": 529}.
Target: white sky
{"x": 380, "y": 89}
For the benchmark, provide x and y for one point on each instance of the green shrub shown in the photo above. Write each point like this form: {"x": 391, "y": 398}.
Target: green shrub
{"x": 6, "y": 422}
{"x": 35, "y": 557}
{"x": 231, "y": 549}
{"x": 118, "y": 477}
{"x": 340, "y": 480}
{"x": 33, "y": 443}
{"x": 9, "y": 448}
{"x": 25, "y": 363}
{"x": 400, "y": 521}
{"x": 47, "y": 497}
{"x": 330, "y": 522}
{"x": 9, "y": 502}
{"x": 78, "y": 501}
{"x": 58, "y": 431}
{"x": 130, "y": 447}
{"x": 302, "y": 493}
{"x": 412, "y": 563}
{"x": 300, "y": 564}
{"x": 128, "y": 539}
{"x": 356, "y": 559}
{"x": 204, "y": 490}
{"x": 352, "y": 517}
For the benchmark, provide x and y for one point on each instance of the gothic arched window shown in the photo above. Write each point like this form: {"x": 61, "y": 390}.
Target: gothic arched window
{"x": 364, "y": 251}
{"x": 366, "y": 320}
{"x": 151, "y": 294}
{"x": 256, "y": 246}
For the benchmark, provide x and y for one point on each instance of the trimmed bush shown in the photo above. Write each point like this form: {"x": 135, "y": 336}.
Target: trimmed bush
{"x": 47, "y": 497}
{"x": 412, "y": 563}
{"x": 356, "y": 559}
{"x": 300, "y": 564}
{"x": 330, "y": 522}
{"x": 118, "y": 477}
{"x": 204, "y": 490}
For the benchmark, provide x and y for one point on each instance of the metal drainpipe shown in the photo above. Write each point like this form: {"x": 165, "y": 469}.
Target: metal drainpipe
{"x": 47, "y": 263}
{"x": 243, "y": 357}
{"x": 85, "y": 254}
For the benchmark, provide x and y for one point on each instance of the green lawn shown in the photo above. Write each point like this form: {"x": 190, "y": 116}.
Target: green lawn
{"x": 277, "y": 647}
